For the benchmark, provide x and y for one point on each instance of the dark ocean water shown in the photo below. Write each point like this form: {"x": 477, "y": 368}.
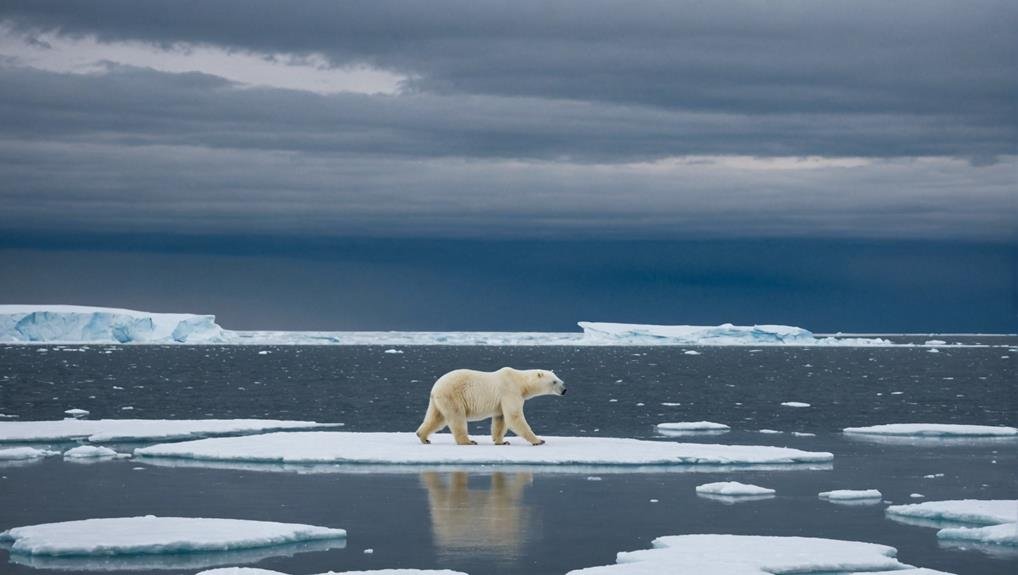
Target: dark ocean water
{"x": 515, "y": 521}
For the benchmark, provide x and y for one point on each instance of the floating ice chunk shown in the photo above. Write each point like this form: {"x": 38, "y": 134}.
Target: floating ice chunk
{"x": 692, "y": 426}
{"x": 404, "y": 448}
{"x": 111, "y": 430}
{"x": 916, "y": 495}
{"x": 76, "y": 412}
{"x": 22, "y": 453}
{"x": 935, "y": 342}
{"x": 91, "y": 452}
{"x": 1003, "y": 534}
{"x": 795, "y": 404}
{"x": 974, "y": 511}
{"x": 935, "y": 430}
{"x": 393, "y": 351}
{"x": 850, "y": 495}
{"x": 691, "y": 352}
{"x": 803, "y": 434}
{"x": 8, "y": 416}
{"x": 264, "y": 352}
{"x": 71, "y": 323}
{"x": 770, "y": 431}
{"x": 933, "y": 350}
{"x": 149, "y": 534}
{"x": 670, "y": 404}
{"x": 732, "y": 488}
{"x": 252, "y": 571}
{"x": 753, "y": 555}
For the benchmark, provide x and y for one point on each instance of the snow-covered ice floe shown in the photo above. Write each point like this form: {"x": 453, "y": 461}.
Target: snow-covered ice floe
{"x": 250, "y": 571}
{"x": 733, "y": 492}
{"x": 125, "y": 430}
{"x": 92, "y": 452}
{"x": 23, "y": 453}
{"x": 935, "y": 430}
{"x": 755, "y": 555}
{"x": 180, "y": 541}
{"x": 78, "y": 324}
{"x": 980, "y": 521}
{"x": 400, "y": 449}
{"x": 795, "y": 404}
{"x": 852, "y": 496}
{"x": 685, "y": 428}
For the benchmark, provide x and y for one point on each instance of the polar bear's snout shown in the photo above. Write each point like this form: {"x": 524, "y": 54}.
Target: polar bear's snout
{"x": 560, "y": 387}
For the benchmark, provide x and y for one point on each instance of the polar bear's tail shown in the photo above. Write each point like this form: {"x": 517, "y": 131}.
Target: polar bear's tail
{"x": 433, "y": 421}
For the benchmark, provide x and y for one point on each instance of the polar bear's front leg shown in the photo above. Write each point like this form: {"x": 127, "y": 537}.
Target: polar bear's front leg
{"x": 518, "y": 423}
{"x": 458, "y": 426}
{"x": 498, "y": 430}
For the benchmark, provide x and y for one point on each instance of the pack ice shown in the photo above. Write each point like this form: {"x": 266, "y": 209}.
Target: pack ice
{"x": 150, "y": 535}
{"x": 934, "y": 430}
{"x": 77, "y": 324}
{"x": 111, "y": 430}
{"x": 990, "y": 521}
{"x": 404, "y": 448}
{"x": 755, "y": 555}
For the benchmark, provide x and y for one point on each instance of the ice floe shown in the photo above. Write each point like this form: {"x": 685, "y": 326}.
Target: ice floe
{"x": 22, "y": 453}
{"x": 795, "y": 404}
{"x": 252, "y": 571}
{"x": 405, "y": 449}
{"x": 683, "y": 428}
{"x": 851, "y": 495}
{"x": 92, "y": 452}
{"x": 110, "y": 430}
{"x": 934, "y": 430}
{"x": 734, "y": 490}
{"x": 979, "y": 521}
{"x": 156, "y": 535}
{"x": 76, "y": 412}
{"x": 754, "y": 555}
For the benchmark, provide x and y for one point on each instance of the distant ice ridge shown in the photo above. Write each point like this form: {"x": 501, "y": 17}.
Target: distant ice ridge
{"x": 84, "y": 324}
{"x": 991, "y": 521}
{"x": 112, "y": 430}
{"x": 157, "y": 535}
{"x": 755, "y": 555}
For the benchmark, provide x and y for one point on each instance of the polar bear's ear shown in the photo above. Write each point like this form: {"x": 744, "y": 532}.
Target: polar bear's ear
{"x": 540, "y": 374}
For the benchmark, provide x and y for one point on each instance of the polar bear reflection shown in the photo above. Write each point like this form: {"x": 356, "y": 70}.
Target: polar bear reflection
{"x": 478, "y": 521}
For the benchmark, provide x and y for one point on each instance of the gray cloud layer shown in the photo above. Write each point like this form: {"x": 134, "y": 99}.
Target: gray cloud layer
{"x": 526, "y": 117}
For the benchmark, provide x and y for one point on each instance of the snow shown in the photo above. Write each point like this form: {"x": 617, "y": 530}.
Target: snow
{"x": 692, "y": 426}
{"x": 795, "y": 404}
{"x": 149, "y": 535}
{"x": 733, "y": 488}
{"x": 76, "y": 412}
{"x": 753, "y": 555}
{"x": 91, "y": 452}
{"x": 404, "y": 449}
{"x": 935, "y": 430}
{"x": 111, "y": 430}
{"x": 850, "y": 494}
{"x": 724, "y": 334}
{"x": 21, "y": 453}
{"x": 72, "y": 323}
{"x": 995, "y": 520}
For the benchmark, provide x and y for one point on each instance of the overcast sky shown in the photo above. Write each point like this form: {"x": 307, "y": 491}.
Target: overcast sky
{"x": 224, "y": 120}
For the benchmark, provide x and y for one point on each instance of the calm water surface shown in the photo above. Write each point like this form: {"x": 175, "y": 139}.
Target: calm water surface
{"x": 514, "y": 520}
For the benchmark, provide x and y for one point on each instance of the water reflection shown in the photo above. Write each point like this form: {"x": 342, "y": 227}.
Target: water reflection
{"x": 486, "y": 519}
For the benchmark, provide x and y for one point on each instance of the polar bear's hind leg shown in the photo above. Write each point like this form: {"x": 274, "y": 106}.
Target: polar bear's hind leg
{"x": 433, "y": 421}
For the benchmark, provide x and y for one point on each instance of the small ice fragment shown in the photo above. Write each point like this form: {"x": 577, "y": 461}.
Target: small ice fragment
{"x": 127, "y": 408}
{"x": 803, "y": 434}
{"x": 916, "y": 495}
{"x": 90, "y": 452}
{"x": 593, "y": 478}
{"x": 653, "y": 501}
{"x": 733, "y": 488}
{"x": 76, "y": 412}
{"x": 22, "y": 453}
{"x": 393, "y": 351}
{"x": 933, "y": 476}
{"x": 369, "y": 551}
{"x": 670, "y": 404}
{"x": 897, "y": 392}
{"x": 264, "y": 352}
{"x": 932, "y": 350}
{"x": 795, "y": 404}
{"x": 691, "y": 352}
{"x": 640, "y": 404}
{"x": 693, "y": 426}
{"x": 850, "y": 494}
{"x": 770, "y": 431}
{"x": 935, "y": 342}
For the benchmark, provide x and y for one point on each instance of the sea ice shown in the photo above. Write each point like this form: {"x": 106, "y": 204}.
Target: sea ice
{"x": 404, "y": 448}
{"x": 149, "y": 535}
{"x": 111, "y": 430}
{"x": 850, "y": 494}
{"x": 20, "y": 453}
{"x": 725, "y": 334}
{"x": 691, "y": 352}
{"x": 795, "y": 404}
{"x": 733, "y": 488}
{"x": 91, "y": 452}
{"x": 754, "y": 555}
{"x": 994, "y": 521}
{"x": 935, "y": 430}
{"x": 76, "y": 412}
{"x": 253, "y": 571}
{"x": 692, "y": 426}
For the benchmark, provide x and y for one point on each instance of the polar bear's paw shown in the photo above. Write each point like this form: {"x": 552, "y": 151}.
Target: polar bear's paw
{"x": 539, "y": 442}
{"x": 503, "y": 443}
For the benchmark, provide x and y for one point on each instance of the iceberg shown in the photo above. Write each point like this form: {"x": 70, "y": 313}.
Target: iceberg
{"x": 755, "y": 555}
{"x": 850, "y": 494}
{"x": 124, "y": 430}
{"x": 724, "y": 334}
{"x": 405, "y": 449}
{"x": 156, "y": 535}
{"x": 92, "y": 452}
{"x": 80, "y": 324}
{"x": 934, "y": 430}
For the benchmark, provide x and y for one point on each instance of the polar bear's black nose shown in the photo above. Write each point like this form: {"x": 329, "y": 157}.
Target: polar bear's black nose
{"x": 564, "y": 391}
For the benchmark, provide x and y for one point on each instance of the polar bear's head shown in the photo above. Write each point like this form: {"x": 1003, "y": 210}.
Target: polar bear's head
{"x": 545, "y": 382}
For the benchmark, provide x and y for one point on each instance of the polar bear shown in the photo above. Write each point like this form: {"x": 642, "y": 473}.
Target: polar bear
{"x": 466, "y": 395}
